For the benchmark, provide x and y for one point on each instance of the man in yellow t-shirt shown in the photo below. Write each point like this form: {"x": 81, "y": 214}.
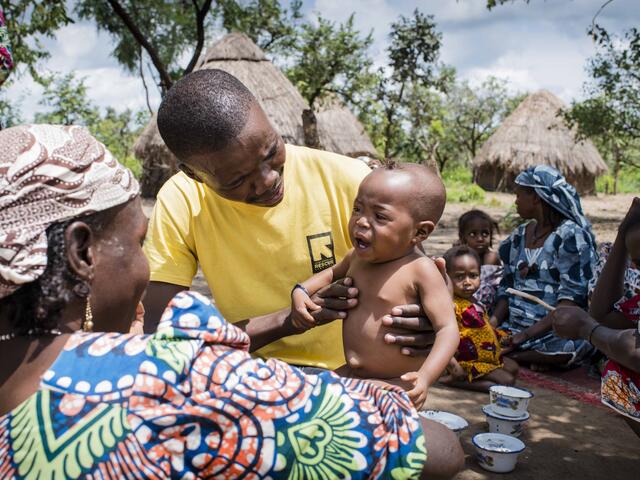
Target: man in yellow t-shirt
{"x": 258, "y": 216}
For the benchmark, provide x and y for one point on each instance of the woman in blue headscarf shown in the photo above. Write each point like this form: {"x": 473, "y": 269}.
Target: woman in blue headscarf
{"x": 551, "y": 257}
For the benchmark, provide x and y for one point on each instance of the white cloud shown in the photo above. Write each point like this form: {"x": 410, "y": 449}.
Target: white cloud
{"x": 77, "y": 40}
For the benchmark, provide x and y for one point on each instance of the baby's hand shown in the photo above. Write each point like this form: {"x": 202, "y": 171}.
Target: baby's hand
{"x": 301, "y": 304}
{"x": 418, "y": 394}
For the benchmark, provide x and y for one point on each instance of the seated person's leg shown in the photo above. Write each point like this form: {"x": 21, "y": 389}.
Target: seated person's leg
{"x": 445, "y": 457}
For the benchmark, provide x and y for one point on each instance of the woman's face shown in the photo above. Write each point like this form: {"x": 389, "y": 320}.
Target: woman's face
{"x": 121, "y": 270}
{"x": 526, "y": 202}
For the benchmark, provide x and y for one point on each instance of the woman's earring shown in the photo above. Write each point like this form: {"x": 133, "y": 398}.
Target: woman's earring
{"x": 87, "y": 324}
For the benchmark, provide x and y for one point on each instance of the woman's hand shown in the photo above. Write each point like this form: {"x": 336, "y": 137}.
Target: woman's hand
{"x": 335, "y": 300}
{"x": 572, "y": 323}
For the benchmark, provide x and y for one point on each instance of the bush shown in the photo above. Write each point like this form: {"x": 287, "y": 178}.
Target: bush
{"x": 460, "y": 186}
{"x": 628, "y": 181}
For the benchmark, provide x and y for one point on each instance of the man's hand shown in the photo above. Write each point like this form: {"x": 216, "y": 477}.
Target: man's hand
{"x": 412, "y": 329}
{"x": 335, "y": 300}
{"x": 572, "y": 322}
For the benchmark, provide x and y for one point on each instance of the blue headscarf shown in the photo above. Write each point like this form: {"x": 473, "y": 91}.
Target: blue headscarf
{"x": 552, "y": 187}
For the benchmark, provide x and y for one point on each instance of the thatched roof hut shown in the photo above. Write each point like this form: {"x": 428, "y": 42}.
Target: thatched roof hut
{"x": 533, "y": 135}
{"x": 338, "y": 128}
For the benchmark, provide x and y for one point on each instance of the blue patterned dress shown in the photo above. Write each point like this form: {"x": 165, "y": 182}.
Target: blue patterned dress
{"x": 189, "y": 402}
{"x": 561, "y": 271}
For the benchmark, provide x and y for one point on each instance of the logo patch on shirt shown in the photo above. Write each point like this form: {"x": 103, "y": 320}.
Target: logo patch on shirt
{"x": 321, "y": 251}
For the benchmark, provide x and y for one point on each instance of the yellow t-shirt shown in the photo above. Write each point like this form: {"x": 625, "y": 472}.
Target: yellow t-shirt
{"x": 252, "y": 256}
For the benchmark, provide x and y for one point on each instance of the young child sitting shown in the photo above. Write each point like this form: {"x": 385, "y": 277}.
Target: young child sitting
{"x": 396, "y": 209}
{"x": 477, "y": 229}
{"x": 477, "y": 364}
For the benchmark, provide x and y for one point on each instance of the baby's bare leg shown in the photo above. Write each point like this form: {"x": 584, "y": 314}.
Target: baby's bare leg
{"x": 445, "y": 457}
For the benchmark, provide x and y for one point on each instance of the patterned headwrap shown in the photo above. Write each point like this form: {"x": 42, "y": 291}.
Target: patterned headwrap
{"x": 49, "y": 174}
{"x": 553, "y": 188}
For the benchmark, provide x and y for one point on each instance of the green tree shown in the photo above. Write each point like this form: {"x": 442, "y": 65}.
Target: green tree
{"x": 28, "y": 22}
{"x": 413, "y": 63}
{"x": 271, "y": 26}
{"x": 332, "y": 60}
{"x": 65, "y": 98}
{"x": 475, "y": 113}
{"x": 167, "y": 32}
{"x": 10, "y": 112}
{"x": 611, "y": 113}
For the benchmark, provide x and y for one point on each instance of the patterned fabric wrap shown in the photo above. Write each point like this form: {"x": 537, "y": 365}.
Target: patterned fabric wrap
{"x": 485, "y": 296}
{"x": 190, "y": 402}
{"x": 554, "y": 189}
{"x": 562, "y": 271}
{"x": 620, "y": 386}
{"x": 50, "y": 174}
{"x": 6, "y": 59}
{"x": 479, "y": 349}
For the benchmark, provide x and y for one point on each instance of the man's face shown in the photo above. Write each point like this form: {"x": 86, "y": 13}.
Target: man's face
{"x": 249, "y": 169}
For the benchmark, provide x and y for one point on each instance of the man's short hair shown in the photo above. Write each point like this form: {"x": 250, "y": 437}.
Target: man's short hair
{"x": 203, "y": 112}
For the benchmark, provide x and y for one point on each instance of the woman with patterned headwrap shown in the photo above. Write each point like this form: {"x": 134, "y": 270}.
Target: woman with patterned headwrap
{"x": 81, "y": 397}
{"x": 551, "y": 257}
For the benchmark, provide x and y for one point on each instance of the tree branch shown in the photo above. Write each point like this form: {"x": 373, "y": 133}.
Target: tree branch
{"x": 144, "y": 83}
{"x": 201, "y": 14}
{"x": 593, "y": 21}
{"x": 165, "y": 78}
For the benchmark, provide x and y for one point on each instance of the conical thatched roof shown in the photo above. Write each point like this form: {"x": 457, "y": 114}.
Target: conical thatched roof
{"x": 532, "y": 135}
{"x": 339, "y": 130}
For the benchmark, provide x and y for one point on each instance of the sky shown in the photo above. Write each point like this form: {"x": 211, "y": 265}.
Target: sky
{"x": 539, "y": 45}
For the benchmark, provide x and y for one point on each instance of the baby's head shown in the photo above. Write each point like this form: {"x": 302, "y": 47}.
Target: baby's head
{"x": 463, "y": 267}
{"x": 476, "y": 229}
{"x": 632, "y": 242}
{"x": 397, "y": 208}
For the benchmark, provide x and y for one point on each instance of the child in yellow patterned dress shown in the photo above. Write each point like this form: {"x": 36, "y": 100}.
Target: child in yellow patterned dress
{"x": 477, "y": 364}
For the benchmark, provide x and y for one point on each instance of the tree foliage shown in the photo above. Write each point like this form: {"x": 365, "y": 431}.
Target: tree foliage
{"x": 413, "y": 64}
{"x": 271, "y": 26}
{"x": 28, "y": 22}
{"x": 330, "y": 58}
{"x": 611, "y": 113}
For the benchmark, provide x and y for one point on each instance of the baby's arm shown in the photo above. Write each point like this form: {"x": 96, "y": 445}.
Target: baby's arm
{"x": 301, "y": 302}
{"x": 438, "y": 306}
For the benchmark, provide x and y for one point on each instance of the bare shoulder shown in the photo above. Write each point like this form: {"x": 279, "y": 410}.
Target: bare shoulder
{"x": 425, "y": 268}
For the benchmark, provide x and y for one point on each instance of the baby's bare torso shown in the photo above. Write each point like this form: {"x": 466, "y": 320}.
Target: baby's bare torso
{"x": 381, "y": 287}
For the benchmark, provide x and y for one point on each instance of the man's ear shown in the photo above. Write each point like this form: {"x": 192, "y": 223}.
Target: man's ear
{"x": 423, "y": 230}
{"x": 79, "y": 239}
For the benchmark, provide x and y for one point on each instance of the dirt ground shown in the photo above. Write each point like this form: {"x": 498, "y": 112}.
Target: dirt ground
{"x": 564, "y": 438}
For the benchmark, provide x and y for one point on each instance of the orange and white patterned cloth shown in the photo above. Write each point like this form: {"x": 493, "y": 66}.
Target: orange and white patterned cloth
{"x": 620, "y": 386}
{"x": 49, "y": 174}
{"x": 190, "y": 402}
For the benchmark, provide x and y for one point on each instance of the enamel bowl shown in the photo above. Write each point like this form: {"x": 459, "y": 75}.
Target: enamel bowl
{"x": 497, "y": 452}
{"x": 449, "y": 420}
{"x": 502, "y": 424}
{"x": 509, "y": 401}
